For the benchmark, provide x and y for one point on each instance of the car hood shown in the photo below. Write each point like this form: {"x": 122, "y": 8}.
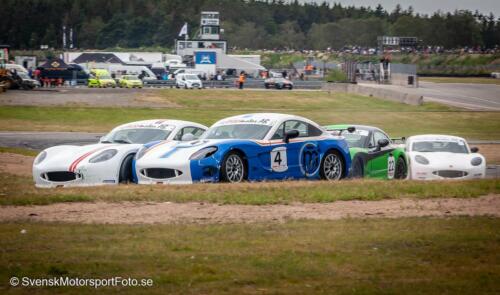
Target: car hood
{"x": 447, "y": 160}
{"x": 68, "y": 156}
{"x": 179, "y": 151}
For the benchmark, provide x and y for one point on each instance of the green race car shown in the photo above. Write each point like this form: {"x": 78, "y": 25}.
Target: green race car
{"x": 373, "y": 153}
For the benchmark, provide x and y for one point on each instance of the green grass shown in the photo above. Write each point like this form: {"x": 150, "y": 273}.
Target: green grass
{"x": 208, "y": 106}
{"x": 372, "y": 256}
{"x": 471, "y": 80}
{"x": 17, "y": 190}
{"x": 20, "y": 151}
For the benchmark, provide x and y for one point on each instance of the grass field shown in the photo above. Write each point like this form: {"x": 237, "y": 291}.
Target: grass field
{"x": 18, "y": 190}
{"x": 382, "y": 256}
{"x": 207, "y": 106}
{"x": 472, "y": 80}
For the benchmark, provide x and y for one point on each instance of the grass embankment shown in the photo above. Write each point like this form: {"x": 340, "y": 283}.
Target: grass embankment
{"x": 20, "y": 151}
{"x": 468, "y": 80}
{"x": 207, "y": 106}
{"x": 18, "y": 190}
{"x": 383, "y": 256}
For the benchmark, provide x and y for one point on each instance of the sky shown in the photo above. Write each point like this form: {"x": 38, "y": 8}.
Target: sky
{"x": 426, "y": 6}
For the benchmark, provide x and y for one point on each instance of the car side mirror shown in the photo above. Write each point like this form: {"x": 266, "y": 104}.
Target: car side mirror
{"x": 290, "y": 134}
{"x": 383, "y": 142}
{"x": 351, "y": 129}
{"x": 474, "y": 149}
{"x": 187, "y": 137}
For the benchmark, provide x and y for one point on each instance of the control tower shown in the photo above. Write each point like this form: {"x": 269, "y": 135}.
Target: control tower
{"x": 208, "y": 37}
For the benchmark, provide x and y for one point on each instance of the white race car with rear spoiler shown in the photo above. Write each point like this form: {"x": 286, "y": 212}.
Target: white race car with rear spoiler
{"x": 110, "y": 160}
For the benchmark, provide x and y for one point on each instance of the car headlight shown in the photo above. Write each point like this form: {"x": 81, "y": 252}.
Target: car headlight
{"x": 141, "y": 153}
{"x": 41, "y": 156}
{"x": 203, "y": 153}
{"x": 421, "y": 159}
{"x": 476, "y": 161}
{"x": 103, "y": 156}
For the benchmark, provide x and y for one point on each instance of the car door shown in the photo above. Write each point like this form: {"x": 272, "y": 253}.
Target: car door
{"x": 298, "y": 158}
{"x": 382, "y": 163}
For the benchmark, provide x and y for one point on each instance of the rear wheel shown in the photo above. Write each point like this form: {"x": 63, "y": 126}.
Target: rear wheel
{"x": 126, "y": 169}
{"x": 401, "y": 169}
{"x": 233, "y": 168}
{"x": 332, "y": 166}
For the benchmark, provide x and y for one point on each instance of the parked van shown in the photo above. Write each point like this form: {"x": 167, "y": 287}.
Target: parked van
{"x": 142, "y": 72}
{"x": 188, "y": 81}
{"x": 100, "y": 78}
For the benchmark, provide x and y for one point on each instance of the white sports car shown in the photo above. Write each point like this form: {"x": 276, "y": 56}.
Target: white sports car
{"x": 443, "y": 157}
{"x": 110, "y": 160}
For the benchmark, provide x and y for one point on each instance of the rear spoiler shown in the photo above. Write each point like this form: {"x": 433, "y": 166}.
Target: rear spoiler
{"x": 349, "y": 129}
{"x": 399, "y": 140}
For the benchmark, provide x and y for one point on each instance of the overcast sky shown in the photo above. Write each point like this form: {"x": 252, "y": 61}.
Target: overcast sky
{"x": 426, "y": 6}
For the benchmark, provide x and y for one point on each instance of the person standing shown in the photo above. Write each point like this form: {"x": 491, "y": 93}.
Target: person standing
{"x": 241, "y": 80}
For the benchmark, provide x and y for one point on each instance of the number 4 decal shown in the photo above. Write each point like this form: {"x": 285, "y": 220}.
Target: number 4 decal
{"x": 278, "y": 159}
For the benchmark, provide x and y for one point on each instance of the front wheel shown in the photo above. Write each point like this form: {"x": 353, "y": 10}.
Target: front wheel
{"x": 332, "y": 166}
{"x": 358, "y": 169}
{"x": 233, "y": 168}
{"x": 401, "y": 169}
{"x": 126, "y": 169}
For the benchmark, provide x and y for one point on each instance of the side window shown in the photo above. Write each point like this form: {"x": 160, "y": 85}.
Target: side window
{"x": 313, "y": 131}
{"x": 279, "y": 132}
{"x": 197, "y": 132}
{"x": 297, "y": 125}
{"x": 377, "y": 135}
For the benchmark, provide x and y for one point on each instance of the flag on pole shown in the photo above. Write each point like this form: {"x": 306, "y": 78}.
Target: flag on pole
{"x": 184, "y": 30}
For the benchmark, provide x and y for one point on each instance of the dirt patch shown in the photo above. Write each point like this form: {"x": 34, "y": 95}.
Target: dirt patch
{"x": 16, "y": 164}
{"x": 167, "y": 212}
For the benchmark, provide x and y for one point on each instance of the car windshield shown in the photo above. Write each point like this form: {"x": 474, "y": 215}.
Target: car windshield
{"x": 356, "y": 139}
{"x": 104, "y": 77}
{"x": 192, "y": 77}
{"x": 137, "y": 135}
{"x": 238, "y": 131}
{"x": 457, "y": 147}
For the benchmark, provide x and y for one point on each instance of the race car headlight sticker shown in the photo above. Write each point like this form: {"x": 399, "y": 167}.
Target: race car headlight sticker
{"x": 103, "y": 156}
{"x": 203, "y": 153}
{"x": 40, "y": 157}
{"x": 476, "y": 161}
{"x": 421, "y": 159}
{"x": 141, "y": 153}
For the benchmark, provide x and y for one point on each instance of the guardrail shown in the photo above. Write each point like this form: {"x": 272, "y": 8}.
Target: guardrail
{"x": 231, "y": 83}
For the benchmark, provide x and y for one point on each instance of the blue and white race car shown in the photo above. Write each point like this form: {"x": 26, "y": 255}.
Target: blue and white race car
{"x": 253, "y": 147}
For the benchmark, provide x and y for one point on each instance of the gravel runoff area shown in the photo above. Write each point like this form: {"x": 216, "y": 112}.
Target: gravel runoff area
{"x": 204, "y": 213}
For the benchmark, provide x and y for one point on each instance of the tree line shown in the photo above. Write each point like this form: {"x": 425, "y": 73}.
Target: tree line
{"x": 253, "y": 24}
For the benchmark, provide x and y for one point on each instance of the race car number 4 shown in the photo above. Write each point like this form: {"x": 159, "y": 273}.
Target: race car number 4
{"x": 278, "y": 159}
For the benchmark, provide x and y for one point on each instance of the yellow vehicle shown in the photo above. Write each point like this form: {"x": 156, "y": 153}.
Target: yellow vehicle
{"x": 100, "y": 78}
{"x": 130, "y": 81}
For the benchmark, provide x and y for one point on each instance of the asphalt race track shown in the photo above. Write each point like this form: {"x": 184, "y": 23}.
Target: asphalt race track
{"x": 43, "y": 140}
{"x": 481, "y": 97}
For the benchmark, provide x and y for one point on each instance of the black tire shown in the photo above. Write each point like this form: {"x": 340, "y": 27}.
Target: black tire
{"x": 332, "y": 173}
{"x": 401, "y": 169}
{"x": 225, "y": 173}
{"x": 358, "y": 169}
{"x": 291, "y": 88}
{"x": 126, "y": 169}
